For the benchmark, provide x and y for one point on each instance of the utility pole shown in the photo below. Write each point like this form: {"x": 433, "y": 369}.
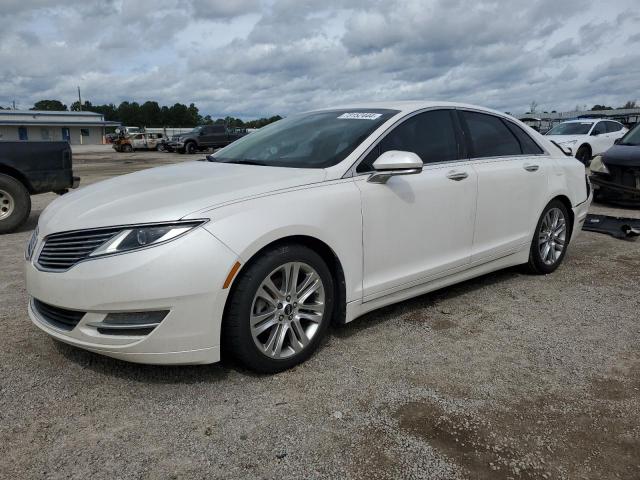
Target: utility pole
{"x": 14, "y": 104}
{"x": 80, "y": 109}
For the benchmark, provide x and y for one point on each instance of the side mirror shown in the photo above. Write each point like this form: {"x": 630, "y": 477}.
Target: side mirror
{"x": 595, "y": 133}
{"x": 395, "y": 162}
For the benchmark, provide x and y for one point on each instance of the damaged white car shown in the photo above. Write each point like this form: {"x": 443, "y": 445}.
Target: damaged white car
{"x": 319, "y": 217}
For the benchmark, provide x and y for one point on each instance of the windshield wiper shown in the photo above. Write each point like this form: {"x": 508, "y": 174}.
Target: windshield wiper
{"x": 247, "y": 162}
{"x": 211, "y": 158}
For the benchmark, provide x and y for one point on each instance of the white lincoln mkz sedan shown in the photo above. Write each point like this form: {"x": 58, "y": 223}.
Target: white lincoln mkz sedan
{"x": 319, "y": 217}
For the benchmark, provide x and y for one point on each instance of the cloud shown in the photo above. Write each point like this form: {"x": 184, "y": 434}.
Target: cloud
{"x": 564, "y": 48}
{"x": 263, "y": 57}
{"x": 227, "y": 9}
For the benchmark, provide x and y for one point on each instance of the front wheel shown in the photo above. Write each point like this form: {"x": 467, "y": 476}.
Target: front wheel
{"x": 190, "y": 148}
{"x": 551, "y": 238}
{"x": 279, "y": 309}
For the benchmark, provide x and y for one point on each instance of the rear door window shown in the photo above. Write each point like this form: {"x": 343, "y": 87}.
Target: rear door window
{"x": 527, "y": 145}
{"x": 431, "y": 135}
{"x": 490, "y": 137}
{"x": 613, "y": 127}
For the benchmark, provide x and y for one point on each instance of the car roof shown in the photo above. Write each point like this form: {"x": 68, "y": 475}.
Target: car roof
{"x": 409, "y": 106}
{"x": 585, "y": 120}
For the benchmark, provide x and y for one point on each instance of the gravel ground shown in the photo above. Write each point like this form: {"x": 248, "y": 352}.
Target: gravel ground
{"x": 505, "y": 376}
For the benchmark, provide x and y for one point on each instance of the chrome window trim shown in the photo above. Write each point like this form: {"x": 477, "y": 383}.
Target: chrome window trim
{"x": 351, "y": 171}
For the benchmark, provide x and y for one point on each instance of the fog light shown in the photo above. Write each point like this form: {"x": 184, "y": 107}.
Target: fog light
{"x": 130, "y": 323}
{"x": 135, "y": 318}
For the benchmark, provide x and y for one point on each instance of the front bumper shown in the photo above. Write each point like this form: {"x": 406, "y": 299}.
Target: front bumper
{"x": 184, "y": 276}
{"x": 613, "y": 191}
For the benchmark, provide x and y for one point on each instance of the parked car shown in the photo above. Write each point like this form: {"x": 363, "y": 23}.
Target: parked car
{"x": 30, "y": 168}
{"x": 587, "y": 137}
{"x": 139, "y": 141}
{"x": 205, "y": 137}
{"x": 319, "y": 217}
{"x": 615, "y": 174}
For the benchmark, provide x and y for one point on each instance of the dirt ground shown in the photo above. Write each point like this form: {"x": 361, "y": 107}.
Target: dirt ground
{"x": 503, "y": 377}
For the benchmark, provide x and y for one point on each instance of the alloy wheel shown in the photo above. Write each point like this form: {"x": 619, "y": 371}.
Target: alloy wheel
{"x": 552, "y": 236}
{"x": 7, "y": 204}
{"x": 287, "y": 310}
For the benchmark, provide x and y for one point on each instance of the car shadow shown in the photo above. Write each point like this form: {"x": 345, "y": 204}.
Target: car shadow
{"x": 188, "y": 374}
{"x": 382, "y": 315}
{"x": 136, "y": 372}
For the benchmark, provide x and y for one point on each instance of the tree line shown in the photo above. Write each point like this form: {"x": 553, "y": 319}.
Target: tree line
{"x": 533, "y": 107}
{"x": 152, "y": 114}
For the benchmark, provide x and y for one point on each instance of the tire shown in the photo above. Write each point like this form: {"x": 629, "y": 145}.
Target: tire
{"x": 127, "y": 148}
{"x": 545, "y": 239}
{"x": 190, "y": 148}
{"x": 584, "y": 154}
{"x": 282, "y": 317}
{"x": 15, "y": 204}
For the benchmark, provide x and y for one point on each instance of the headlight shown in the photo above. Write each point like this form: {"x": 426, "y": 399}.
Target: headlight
{"x": 597, "y": 165}
{"x": 568, "y": 142}
{"x": 144, "y": 236}
{"x": 31, "y": 246}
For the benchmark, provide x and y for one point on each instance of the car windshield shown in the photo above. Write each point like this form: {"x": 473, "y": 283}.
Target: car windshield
{"x": 572, "y": 128}
{"x": 632, "y": 137}
{"x": 309, "y": 140}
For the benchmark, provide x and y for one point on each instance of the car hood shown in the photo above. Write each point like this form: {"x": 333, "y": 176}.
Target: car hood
{"x": 167, "y": 193}
{"x": 623, "y": 156}
{"x": 565, "y": 138}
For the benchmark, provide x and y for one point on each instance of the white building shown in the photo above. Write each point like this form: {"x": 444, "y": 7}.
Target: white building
{"x": 78, "y": 128}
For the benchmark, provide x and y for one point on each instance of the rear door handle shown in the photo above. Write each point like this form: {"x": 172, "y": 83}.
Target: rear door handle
{"x": 531, "y": 168}
{"x": 457, "y": 176}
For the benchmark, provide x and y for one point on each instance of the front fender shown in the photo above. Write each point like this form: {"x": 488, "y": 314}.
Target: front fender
{"x": 329, "y": 212}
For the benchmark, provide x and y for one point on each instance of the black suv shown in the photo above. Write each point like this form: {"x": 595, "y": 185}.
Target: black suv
{"x": 205, "y": 137}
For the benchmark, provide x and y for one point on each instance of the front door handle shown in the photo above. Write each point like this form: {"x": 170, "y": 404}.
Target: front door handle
{"x": 457, "y": 176}
{"x": 531, "y": 168}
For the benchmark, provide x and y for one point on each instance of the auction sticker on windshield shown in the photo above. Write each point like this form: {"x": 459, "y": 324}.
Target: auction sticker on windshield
{"x": 361, "y": 116}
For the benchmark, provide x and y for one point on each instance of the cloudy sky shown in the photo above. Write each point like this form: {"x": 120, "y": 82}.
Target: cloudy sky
{"x": 262, "y": 57}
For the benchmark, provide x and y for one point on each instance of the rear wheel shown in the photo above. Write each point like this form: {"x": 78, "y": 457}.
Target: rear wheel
{"x": 15, "y": 204}
{"x": 550, "y": 240}
{"x": 584, "y": 154}
{"x": 279, "y": 309}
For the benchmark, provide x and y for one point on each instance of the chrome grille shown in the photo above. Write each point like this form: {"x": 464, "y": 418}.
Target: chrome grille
{"x": 62, "y": 251}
